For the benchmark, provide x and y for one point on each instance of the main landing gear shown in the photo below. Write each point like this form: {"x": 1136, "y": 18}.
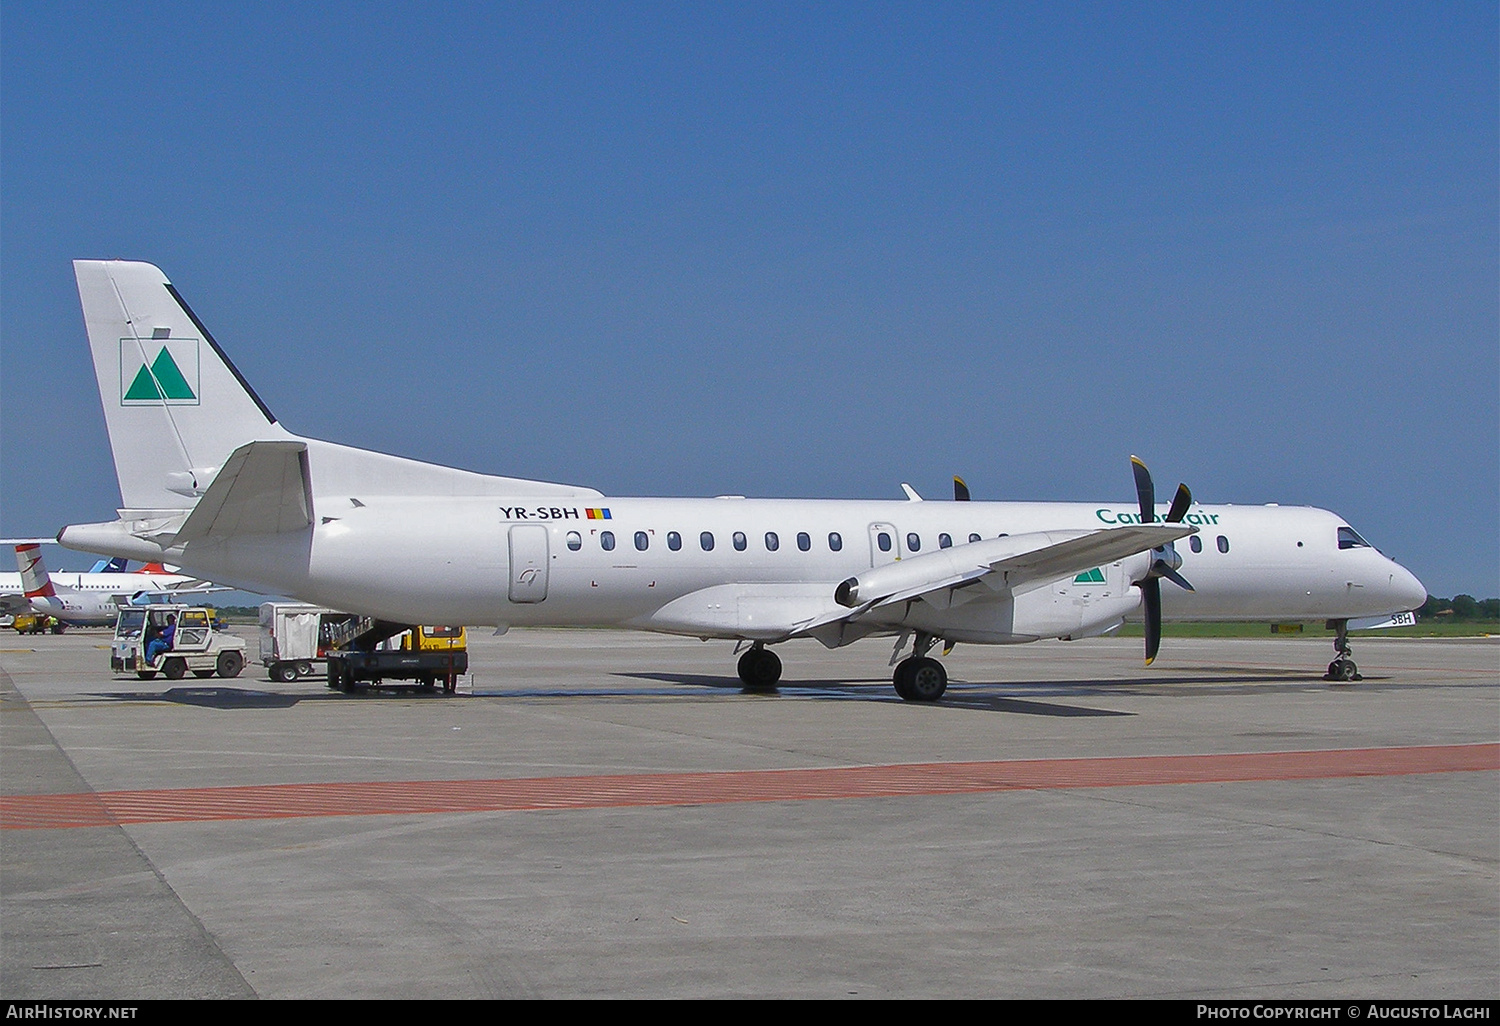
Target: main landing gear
{"x": 1342, "y": 668}
{"x": 760, "y": 668}
{"x": 918, "y": 678}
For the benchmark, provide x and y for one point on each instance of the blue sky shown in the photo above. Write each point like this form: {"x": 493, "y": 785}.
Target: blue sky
{"x": 791, "y": 250}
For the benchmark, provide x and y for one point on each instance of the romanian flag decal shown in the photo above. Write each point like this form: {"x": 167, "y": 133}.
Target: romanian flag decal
{"x": 597, "y": 514}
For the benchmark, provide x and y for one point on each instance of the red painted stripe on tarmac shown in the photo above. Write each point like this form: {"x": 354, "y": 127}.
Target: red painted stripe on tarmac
{"x": 411, "y": 797}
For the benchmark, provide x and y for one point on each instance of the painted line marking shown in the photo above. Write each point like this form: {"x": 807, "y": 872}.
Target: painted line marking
{"x": 416, "y": 797}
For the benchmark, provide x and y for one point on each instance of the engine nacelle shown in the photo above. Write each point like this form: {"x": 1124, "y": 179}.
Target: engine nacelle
{"x": 1073, "y": 606}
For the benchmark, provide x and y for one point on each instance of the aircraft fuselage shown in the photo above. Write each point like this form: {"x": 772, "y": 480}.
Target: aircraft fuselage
{"x": 622, "y": 560}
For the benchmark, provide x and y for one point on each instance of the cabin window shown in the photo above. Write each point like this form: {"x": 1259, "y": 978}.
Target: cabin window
{"x": 642, "y": 541}
{"x": 674, "y": 540}
{"x": 1223, "y": 544}
{"x": 913, "y": 543}
{"x": 884, "y": 541}
{"x": 945, "y": 541}
{"x": 706, "y": 540}
{"x": 1195, "y": 543}
{"x": 772, "y": 542}
{"x": 575, "y": 540}
{"x": 804, "y": 540}
{"x": 1350, "y": 539}
{"x": 607, "y": 540}
{"x": 835, "y": 541}
{"x": 973, "y": 537}
{"x": 739, "y": 541}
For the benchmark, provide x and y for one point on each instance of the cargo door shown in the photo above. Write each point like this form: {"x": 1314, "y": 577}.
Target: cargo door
{"x": 528, "y": 562}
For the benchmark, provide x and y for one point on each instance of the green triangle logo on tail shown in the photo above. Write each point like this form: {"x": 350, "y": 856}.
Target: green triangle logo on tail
{"x": 163, "y": 381}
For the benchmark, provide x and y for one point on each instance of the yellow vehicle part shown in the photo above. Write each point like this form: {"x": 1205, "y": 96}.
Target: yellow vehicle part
{"x": 435, "y": 639}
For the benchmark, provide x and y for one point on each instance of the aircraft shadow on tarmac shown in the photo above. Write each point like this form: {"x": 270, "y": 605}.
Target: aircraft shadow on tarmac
{"x": 244, "y": 698}
{"x": 1026, "y": 696}
{"x": 210, "y": 698}
{"x": 961, "y": 695}
{"x": 1012, "y": 696}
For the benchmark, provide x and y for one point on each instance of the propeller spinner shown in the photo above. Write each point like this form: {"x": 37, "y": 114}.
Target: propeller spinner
{"x": 1164, "y": 560}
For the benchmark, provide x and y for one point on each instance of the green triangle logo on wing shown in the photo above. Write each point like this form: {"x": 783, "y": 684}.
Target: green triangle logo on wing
{"x": 1094, "y": 576}
{"x": 164, "y": 371}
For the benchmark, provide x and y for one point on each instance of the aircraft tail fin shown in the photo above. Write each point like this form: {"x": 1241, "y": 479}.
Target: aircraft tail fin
{"x": 36, "y": 582}
{"x": 174, "y": 405}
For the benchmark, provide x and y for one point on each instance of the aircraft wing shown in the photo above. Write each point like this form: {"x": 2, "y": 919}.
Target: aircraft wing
{"x": 193, "y": 587}
{"x": 167, "y": 593}
{"x": 952, "y": 576}
{"x": 14, "y": 602}
{"x": 1054, "y": 560}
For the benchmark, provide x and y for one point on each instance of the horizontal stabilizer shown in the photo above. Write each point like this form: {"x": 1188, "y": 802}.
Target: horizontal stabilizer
{"x": 263, "y": 488}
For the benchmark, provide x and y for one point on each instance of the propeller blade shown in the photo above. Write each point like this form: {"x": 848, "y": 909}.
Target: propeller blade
{"x": 1180, "y": 503}
{"x": 1176, "y": 578}
{"x": 1151, "y": 594}
{"x": 1143, "y": 490}
{"x": 960, "y": 490}
{"x": 1168, "y": 561}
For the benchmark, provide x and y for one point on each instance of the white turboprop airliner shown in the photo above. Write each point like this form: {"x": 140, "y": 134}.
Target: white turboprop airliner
{"x": 84, "y": 599}
{"x": 212, "y": 482}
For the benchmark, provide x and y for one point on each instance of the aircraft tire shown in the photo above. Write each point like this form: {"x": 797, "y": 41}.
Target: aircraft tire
{"x": 760, "y": 668}
{"x": 230, "y": 663}
{"x": 921, "y": 679}
{"x": 900, "y": 679}
{"x": 174, "y": 669}
{"x": 1342, "y": 671}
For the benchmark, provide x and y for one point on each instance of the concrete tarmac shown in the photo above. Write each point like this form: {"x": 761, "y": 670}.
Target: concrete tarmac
{"x": 607, "y": 814}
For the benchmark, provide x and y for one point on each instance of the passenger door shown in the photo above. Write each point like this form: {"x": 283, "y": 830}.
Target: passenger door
{"x": 529, "y": 560}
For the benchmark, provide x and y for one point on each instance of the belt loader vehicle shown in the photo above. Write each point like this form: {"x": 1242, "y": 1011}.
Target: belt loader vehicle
{"x": 295, "y": 638}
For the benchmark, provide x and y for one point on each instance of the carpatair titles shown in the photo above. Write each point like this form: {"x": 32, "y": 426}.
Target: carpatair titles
{"x": 1110, "y": 516}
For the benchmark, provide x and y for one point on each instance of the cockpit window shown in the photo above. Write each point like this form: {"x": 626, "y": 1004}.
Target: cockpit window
{"x": 1350, "y": 539}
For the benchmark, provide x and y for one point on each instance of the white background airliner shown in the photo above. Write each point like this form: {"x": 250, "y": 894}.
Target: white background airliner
{"x": 89, "y": 599}
{"x": 212, "y": 482}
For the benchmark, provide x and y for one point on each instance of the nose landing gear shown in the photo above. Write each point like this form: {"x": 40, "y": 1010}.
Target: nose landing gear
{"x": 1342, "y": 669}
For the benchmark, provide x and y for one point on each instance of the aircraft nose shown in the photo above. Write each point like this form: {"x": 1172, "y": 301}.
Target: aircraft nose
{"x": 1406, "y": 590}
